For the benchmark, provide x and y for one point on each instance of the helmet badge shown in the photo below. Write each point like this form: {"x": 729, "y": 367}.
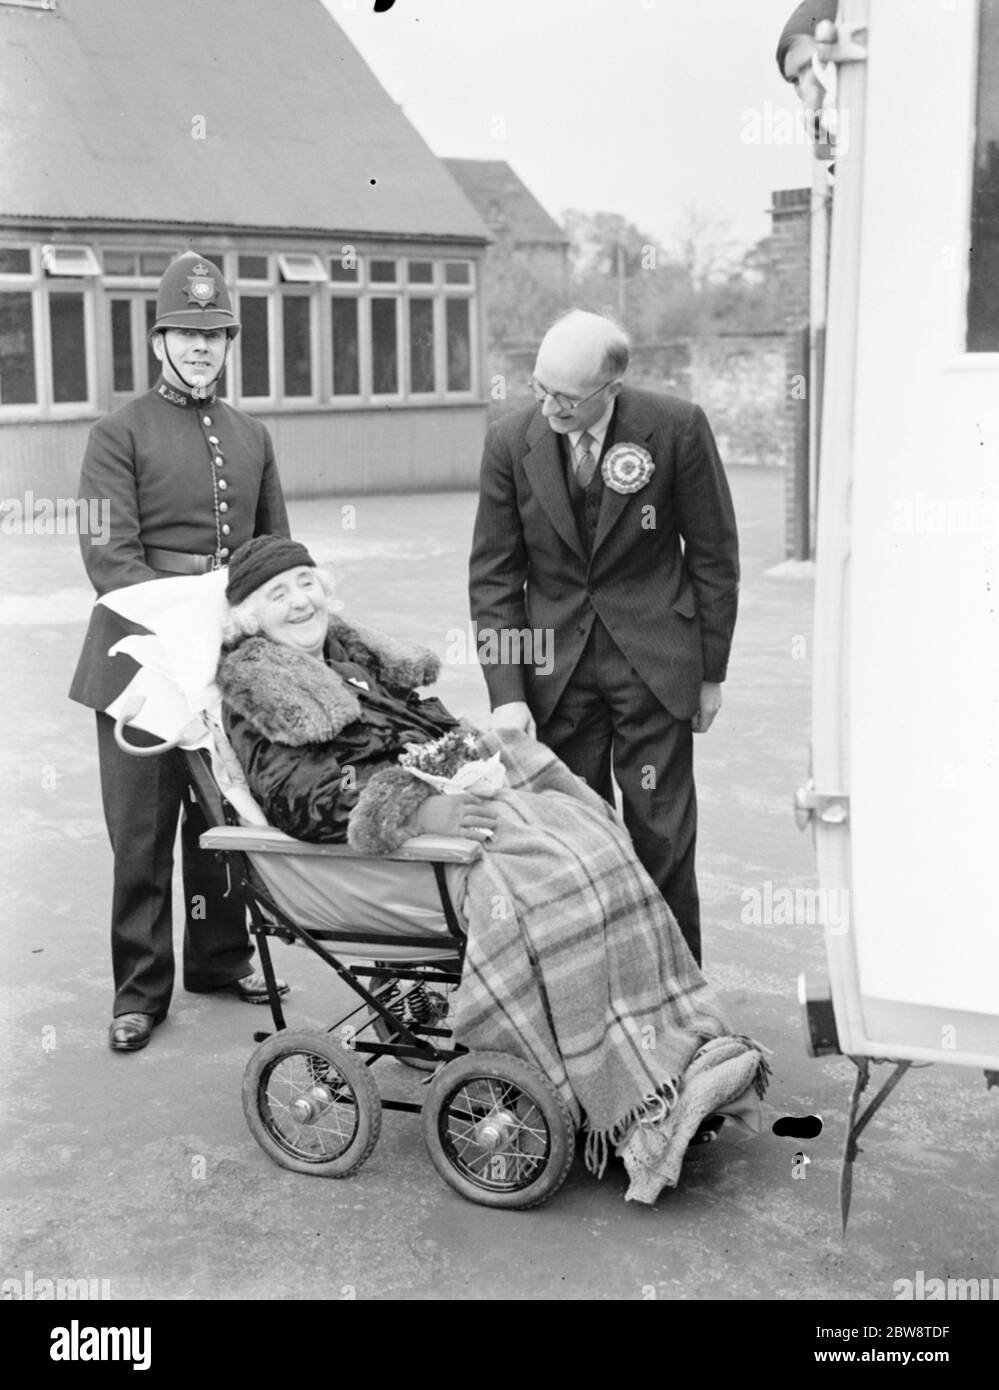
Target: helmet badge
{"x": 201, "y": 287}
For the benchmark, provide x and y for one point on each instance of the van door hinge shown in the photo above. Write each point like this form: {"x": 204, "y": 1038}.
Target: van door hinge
{"x": 832, "y": 808}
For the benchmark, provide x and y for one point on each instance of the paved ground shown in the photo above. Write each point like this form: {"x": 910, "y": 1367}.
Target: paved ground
{"x": 140, "y": 1169}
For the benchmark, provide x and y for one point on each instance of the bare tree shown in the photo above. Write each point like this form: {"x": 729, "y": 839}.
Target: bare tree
{"x": 704, "y": 246}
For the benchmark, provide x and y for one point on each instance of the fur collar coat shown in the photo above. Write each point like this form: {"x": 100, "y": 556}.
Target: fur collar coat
{"x": 296, "y": 699}
{"x": 318, "y": 748}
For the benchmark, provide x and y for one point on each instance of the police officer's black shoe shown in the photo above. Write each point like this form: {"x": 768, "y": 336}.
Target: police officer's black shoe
{"x": 130, "y": 1032}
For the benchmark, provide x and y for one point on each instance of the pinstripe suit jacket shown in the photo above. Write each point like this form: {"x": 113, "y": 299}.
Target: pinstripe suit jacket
{"x": 663, "y": 575}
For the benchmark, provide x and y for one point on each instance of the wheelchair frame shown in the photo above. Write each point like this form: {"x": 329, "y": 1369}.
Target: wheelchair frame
{"x": 496, "y": 1128}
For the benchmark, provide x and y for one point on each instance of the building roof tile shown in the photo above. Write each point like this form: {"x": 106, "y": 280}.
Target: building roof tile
{"x": 99, "y": 108}
{"x": 505, "y": 202}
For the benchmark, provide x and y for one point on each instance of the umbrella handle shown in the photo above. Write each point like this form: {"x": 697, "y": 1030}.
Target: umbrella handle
{"x": 130, "y": 711}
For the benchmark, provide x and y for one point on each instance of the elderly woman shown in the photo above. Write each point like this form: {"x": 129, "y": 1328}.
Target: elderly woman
{"x": 573, "y": 961}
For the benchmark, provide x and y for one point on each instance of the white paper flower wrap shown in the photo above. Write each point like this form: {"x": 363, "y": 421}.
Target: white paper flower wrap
{"x": 482, "y": 775}
{"x": 627, "y": 467}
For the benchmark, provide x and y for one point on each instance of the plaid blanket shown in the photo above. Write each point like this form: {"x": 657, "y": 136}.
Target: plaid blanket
{"x": 574, "y": 961}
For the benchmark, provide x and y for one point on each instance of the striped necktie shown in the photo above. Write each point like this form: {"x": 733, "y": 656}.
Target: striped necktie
{"x": 586, "y": 463}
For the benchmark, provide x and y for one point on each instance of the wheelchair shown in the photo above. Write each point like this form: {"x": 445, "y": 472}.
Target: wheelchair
{"x": 496, "y": 1129}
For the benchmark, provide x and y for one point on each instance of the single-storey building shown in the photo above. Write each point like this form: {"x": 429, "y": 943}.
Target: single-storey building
{"x": 519, "y": 224}
{"x": 255, "y": 134}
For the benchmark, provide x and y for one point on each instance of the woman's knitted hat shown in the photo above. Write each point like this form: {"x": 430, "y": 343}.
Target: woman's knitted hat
{"x": 261, "y": 559}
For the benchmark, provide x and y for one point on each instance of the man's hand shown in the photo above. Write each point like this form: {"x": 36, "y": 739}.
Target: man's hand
{"x": 515, "y": 715}
{"x": 471, "y": 816}
{"x": 711, "y": 703}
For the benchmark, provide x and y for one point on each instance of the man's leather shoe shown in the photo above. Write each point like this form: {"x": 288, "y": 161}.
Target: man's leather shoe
{"x": 130, "y": 1032}
{"x": 251, "y": 988}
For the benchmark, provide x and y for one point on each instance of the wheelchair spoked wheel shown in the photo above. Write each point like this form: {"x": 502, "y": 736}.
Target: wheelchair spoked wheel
{"x": 311, "y": 1104}
{"x": 422, "y": 1004}
{"x": 497, "y": 1130}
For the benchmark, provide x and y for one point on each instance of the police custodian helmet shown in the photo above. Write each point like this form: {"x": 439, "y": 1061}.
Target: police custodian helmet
{"x": 193, "y": 294}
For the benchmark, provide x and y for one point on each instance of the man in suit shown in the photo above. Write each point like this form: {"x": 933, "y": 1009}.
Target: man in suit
{"x": 605, "y": 525}
{"x": 187, "y": 479}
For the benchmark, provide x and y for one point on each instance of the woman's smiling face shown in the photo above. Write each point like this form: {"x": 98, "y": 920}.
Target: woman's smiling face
{"x": 291, "y": 609}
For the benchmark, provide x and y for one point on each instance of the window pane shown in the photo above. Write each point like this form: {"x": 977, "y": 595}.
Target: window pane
{"x": 71, "y": 261}
{"x": 216, "y": 258}
{"x": 121, "y": 345}
{"x": 17, "y": 350}
{"x": 421, "y": 272}
{"x": 457, "y": 273}
{"x": 152, "y": 362}
{"x": 69, "y": 347}
{"x": 983, "y": 285}
{"x": 301, "y": 267}
{"x": 384, "y": 357}
{"x": 255, "y": 345}
{"x": 346, "y": 356}
{"x": 459, "y": 346}
{"x": 297, "y": 346}
{"x": 421, "y": 345}
{"x": 383, "y": 272}
{"x": 253, "y": 267}
{"x": 15, "y": 260}
{"x": 344, "y": 274}
{"x": 152, "y": 262}
{"x": 119, "y": 262}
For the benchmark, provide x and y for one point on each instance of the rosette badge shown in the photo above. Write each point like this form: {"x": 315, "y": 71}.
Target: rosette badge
{"x": 627, "y": 467}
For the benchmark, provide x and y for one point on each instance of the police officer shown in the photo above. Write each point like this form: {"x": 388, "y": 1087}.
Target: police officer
{"x": 187, "y": 479}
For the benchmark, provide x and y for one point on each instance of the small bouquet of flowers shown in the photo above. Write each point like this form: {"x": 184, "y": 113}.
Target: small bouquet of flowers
{"x": 451, "y": 764}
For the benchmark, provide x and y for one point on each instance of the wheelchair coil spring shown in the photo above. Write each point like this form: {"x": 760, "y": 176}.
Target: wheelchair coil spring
{"x": 421, "y": 1005}
{"x": 395, "y": 1002}
{"x": 415, "y": 1005}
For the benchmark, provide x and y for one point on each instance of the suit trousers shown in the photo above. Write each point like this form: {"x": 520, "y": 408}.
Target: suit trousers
{"x": 607, "y": 722}
{"x": 142, "y": 799}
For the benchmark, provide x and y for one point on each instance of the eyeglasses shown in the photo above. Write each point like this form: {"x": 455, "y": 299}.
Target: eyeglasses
{"x": 571, "y": 403}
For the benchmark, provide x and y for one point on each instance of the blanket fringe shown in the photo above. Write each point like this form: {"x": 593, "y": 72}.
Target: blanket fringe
{"x": 597, "y": 1151}
{"x": 764, "y": 1071}
{"x": 652, "y": 1110}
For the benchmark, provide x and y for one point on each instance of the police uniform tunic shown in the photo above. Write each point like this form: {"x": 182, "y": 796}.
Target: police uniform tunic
{"x": 186, "y": 483}
{"x": 183, "y": 480}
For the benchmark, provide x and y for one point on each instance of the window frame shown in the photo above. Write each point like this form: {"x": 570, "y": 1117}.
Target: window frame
{"x": 270, "y": 279}
{"x": 342, "y": 290}
{"x": 401, "y": 349}
{"x": 100, "y": 291}
{"x": 469, "y": 293}
{"x": 92, "y": 268}
{"x": 270, "y": 400}
{"x": 968, "y": 357}
{"x": 137, "y": 298}
{"x": 288, "y": 276}
{"x": 437, "y": 306}
{"x": 311, "y": 299}
{"x": 113, "y": 280}
{"x": 69, "y": 410}
{"x": 21, "y": 410}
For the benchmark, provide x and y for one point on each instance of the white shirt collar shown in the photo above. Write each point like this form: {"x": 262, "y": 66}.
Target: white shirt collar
{"x": 597, "y": 431}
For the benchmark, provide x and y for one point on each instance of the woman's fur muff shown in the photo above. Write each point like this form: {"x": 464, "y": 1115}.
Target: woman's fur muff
{"x": 295, "y": 699}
